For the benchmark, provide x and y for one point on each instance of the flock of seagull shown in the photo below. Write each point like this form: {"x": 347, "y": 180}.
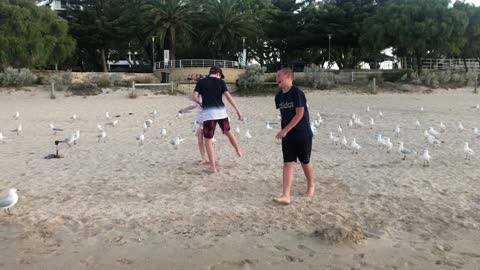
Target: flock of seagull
{"x": 432, "y": 136}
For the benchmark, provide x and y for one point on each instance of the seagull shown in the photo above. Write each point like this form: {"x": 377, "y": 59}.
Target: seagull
{"x": 380, "y": 114}
{"x": 145, "y": 126}
{"x": 372, "y": 122}
{"x": 99, "y": 127}
{"x": 247, "y": 134}
{"x": 179, "y": 115}
{"x": 397, "y": 131}
{"x": 18, "y": 129}
{"x": 149, "y": 122}
{"x": 316, "y": 123}
{"x": 380, "y": 140}
{"x": 344, "y": 142}
{"x": 417, "y": 123}
{"x": 154, "y": 113}
{"x": 140, "y": 138}
{"x": 388, "y": 144}
{"x": 353, "y": 116}
{"x": 163, "y": 132}
{"x": 368, "y": 108}
{"x": 421, "y": 109}
{"x": 426, "y": 158}
{"x": 176, "y": 142}
{"x": 318, "y": 115}
{"x": 476, "y": 131}
{"x": 17, "y": 115}
{"x": 107, "y": 115}
{"x": 313, "y": 128}
{"x": 9, "y": 201}
{"x": 270, "y": 127}
{"x": 350, "y": 123}
{"x": 355, "y": 146}
{"x": 102, "y": 136}
{"x": 404, "y": 151}
{"x": 340, "y": 130}
{"x": 460, "y": 126}
{"x": 476, "y": 106}
{"x": 113, "y": 123}
{"x": 69, "y": 140}
{"x": 76, "y": 136}
{"x": 74, "y": 117}
{"x": 468, "y": 151}
{"x": 358, "y": 122}
{"x": 432, "y": 140}
{"x": 3, "y": 139}
{"x": 237, "y": 130}
{"x": 442, "y": 126}
{"x": 334, "y": 139}
{"x": 54, "y": 129}
{"x": 433, "y": 132}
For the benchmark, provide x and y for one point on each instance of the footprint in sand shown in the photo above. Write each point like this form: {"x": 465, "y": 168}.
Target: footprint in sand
{"x": 308, "y": 250}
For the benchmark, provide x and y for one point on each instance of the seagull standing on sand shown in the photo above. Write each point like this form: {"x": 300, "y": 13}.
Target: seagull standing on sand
{"x": 339, "y": 129}
{"x": 16, "y": 116}
{"x": 176, "y": 142}
{"x": 76, "y": 136}
{"x": 388, "y": 144}
{"x": 397, "y": 131}
{"x": 248, "y": 135}
{"x": 468, "y": 151}
{"x": 18, "y": 129}
{"x": 380, "y": 114}
{"x": 107, "y": 115}
{"x": 69, "y": 140}
{"x": 368, "y": 108}
{"x": 113, "y": 123}
{"x": 334, "y": 139}
{"x": 417, "y": 123}
{"x": 140, "y": 138}
{"x": 426, "y": 158}
{"x": 154, "y": 113}
{"x": 54, "y": 129}
{"x": 99, "y": 127}
{"x": 237, "y": 130}
{"x": 74, "y": 117}
{"x": 433, "y": 132}
{"x": 3, "y": 139}
{"x": 270, "y": 127}
{"x": 404, "y": 151}
{"x": 372, "y": 122}
{"x": 9, "y": 201}
{"x": 355, "y": 146}
{"x": 460, "y": 126}
{"x": 344, "y": 142}
{"x": 442, "y": 126}
{"x": 476, "y": 131}
{"x": 163, "y": 131}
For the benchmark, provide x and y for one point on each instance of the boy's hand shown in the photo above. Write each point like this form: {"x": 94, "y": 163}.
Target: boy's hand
{"x": 281, "y": 134}
{"x": 240, "y": 117}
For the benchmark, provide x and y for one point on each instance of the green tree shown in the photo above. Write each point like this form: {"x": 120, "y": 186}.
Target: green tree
{"x": 32, "y": 36}
{"x": 471, "y": 48}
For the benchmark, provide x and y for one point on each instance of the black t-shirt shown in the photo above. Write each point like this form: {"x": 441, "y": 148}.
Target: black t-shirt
{"x": 211, "y": 89}
{"x": 287, "y": 102}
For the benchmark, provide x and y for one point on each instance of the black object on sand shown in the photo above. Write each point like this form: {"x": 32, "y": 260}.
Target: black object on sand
{"x": 56, "y": 155}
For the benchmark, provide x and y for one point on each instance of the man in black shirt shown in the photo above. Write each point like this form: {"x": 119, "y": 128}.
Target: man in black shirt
{"x": 296, "y": 134}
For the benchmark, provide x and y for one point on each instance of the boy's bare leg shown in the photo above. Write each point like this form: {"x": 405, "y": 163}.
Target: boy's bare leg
{"x": 233, "y": 141}
{"x": 308, "y": 171}
{"x": 201, "y": 146}
{"x": 287, "y": 183}
{"x": 211, "y": 155}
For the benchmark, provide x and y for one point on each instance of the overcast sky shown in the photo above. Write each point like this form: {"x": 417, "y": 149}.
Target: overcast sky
{"x": 475, "y": 2}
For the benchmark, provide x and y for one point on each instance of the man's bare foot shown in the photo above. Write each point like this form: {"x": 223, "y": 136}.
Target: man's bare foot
{"x": 210, "y": 170}
{"x": 203, "y": 162}
{"x": 282, "y": 200}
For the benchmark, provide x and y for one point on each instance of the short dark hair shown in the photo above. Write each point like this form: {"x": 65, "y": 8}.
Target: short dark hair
{"x": 215, "y": 70}
{"x": 286, "y": 71}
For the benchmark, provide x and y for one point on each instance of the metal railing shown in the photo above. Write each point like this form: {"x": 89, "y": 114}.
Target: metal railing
{"x": 188, "y": 63}
{"x": 450, "y": 64}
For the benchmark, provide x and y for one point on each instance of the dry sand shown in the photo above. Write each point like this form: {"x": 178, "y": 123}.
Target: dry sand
{"x": 118, "y": 205}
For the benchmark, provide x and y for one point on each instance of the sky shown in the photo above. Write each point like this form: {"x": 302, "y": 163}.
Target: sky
{"x": 475, "y": 2}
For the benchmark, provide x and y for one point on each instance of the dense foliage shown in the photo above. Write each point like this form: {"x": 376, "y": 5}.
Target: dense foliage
{"x": 276, "y": 32}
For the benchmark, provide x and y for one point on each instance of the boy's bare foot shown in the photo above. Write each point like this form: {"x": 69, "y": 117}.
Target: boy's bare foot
{"x": 203, "y": 162}
{"x": 310, "y": 193}
{"x": 282, "y": 200}
{"x": 239, "y": 152}
{"x": 210, "y": 170}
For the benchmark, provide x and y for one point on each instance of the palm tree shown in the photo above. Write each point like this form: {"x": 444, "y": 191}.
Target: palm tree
{"x": 170, "y": 18}
{"x": 226, "y": 24}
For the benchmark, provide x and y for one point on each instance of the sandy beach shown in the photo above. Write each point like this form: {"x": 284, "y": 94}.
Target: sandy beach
{"x": 119, "y": 205}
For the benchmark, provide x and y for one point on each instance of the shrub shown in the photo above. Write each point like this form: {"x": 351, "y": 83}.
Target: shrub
{"x": 62, "y": 81}
{"x": 318, "y": 78}
{"x": 394, "y": 76}
{"x": 17, "y": 77}
{"x": 85, "y": 89}
{"x": 142, "y": 79}
{"x": 251, "y": 78}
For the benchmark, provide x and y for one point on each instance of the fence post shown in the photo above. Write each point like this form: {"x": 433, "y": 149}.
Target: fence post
{"x": 52, "y": 91}
{"x": 352, "y": 76}
{"x": 374, "y": 86}
{"x": 476, "y": 84}
{"x": 133, "y": 88}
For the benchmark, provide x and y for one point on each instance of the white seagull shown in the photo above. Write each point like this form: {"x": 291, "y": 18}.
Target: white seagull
{"x": 339, "y": 129}
{"x": 237, "y": 130}
{"x": 107, "y": 115}
{"x": 355, "y": 146}
{"x": 176, "y": 142}
{"x": 397, "y": 131}
{"x": 468, "y": 151}
{"x": 404, "y": 151}
{"x": 372, "y": 122}
{"x": 18, "y": 129}
{"x": 433, "y": 132}
{"x": 149, "y": 122}
{"x": 268, "y": 125}
{"x": 388, "y": 144}
{"x": 9, "y": 201}
{"x": 417, "y": 123}
{"x": 163, "y": 131}
{"x": 154, "y": 113}
{"x": 140, "y": 138}
{"x": 3, "y": 139}
{"x": 380, "y": 114}
{"x": 73, "y": 117}
{"x": 102, "y": 136}
{"x": 426, "y": 158}
{"x": 69, "y": 140}
{"x": 54, "y": 129}
{"x": 99, "y": 127}
{"x": 344, "y": 142}
{"x": 334, "y": 139}
{"x": 17, "y": 115}
{"x": 76, "y": 136}
{"x": 460, "y": 126}
{"x": 248, "y": 135}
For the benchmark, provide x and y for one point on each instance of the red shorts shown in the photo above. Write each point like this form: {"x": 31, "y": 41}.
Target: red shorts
{"x": 209, "y": 127}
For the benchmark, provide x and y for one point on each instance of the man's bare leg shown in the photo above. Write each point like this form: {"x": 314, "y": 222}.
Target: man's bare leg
{"x": 211, "y": 155}
{"x": 201, "y": 146}
{"x": 308, "y": 171}
{"x": 234, "y": 142}
{"x": 287, "y": 183}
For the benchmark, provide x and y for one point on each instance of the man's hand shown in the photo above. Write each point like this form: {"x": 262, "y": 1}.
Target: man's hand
{"x": 281, "y": 134}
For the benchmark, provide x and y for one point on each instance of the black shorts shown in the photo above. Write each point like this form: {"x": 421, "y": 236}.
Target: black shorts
{"x": 209, "y": 127}
{"x": 300, "y": 147}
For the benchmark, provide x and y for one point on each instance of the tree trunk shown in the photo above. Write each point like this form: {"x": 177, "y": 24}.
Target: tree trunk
{"x": 104, "y": 60}
{"x": 419, "y": 64}
{"x": 465, "y": 64}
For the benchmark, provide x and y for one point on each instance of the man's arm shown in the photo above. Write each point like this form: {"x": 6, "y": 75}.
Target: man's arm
{"x": 233, "y": 103}
{"x": 299, "y": 111}
{"x": 196, "y": 98}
